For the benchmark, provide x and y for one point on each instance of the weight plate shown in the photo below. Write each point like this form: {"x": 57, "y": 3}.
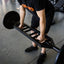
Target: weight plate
{"x": 60, "y": 56}
{"x": 10, "y": 19}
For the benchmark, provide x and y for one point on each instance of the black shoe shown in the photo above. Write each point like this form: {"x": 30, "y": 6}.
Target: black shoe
{"x": 41, "y": 58}
{"x": 32, "y": 48}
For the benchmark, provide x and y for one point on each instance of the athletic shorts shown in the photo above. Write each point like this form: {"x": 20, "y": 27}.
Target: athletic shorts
{"x": 49, "y": 19}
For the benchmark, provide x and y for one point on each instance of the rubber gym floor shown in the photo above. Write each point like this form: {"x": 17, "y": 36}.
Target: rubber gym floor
{"x": 13, "y": 43}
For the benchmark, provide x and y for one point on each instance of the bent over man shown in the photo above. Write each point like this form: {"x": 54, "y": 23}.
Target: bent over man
{"x": 43, "y": 12}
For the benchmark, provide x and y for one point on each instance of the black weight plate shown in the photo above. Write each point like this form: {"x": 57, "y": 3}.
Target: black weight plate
{"x": 10, "y": 19}
{"x": 60, "y": 56}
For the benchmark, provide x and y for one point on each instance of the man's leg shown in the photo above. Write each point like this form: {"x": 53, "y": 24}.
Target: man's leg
{"x": 49, "y": 19}
{"x": 34, "y": 24}
{"x": 33, "y": 36}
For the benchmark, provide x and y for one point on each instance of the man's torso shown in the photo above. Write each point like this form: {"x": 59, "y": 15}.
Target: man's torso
{"x": 29, "y": 5}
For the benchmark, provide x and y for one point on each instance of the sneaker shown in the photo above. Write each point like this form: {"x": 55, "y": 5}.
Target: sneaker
{"x": 31, "y": 48}
{"x": 41, "y": 58}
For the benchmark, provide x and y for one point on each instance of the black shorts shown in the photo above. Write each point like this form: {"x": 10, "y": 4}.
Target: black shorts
{"x": 49, "y": 19}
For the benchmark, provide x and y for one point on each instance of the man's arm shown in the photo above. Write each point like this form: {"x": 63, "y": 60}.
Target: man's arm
{"x": 22, "y": 15}
{"x": 41, "y": 15}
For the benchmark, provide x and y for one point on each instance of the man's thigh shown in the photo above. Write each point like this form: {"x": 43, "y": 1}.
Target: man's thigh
{"x": 49, "y": 19}
{"x": 34, "y": 22}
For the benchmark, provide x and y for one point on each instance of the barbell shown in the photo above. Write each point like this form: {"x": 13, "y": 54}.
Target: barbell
{"x": 11, "y": 20}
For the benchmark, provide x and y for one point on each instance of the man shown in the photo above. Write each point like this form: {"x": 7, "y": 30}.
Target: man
{"x": 43, "y": 13}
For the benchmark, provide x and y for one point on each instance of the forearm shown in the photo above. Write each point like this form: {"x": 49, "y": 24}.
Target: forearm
{"x": 22, "y": 15}
{"x": 42, "y": 25}
{"x": 41, "y": 15}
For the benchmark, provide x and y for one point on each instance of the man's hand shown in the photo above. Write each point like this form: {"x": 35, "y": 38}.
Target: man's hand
{"x": 20, "y": 26}
{"x": 41, "y": 38}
